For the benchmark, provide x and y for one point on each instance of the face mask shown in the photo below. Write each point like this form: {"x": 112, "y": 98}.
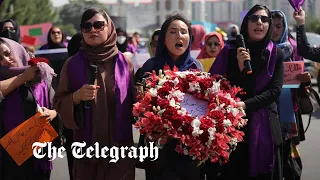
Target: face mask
{"x": 234, "y": 34}
{"x": 121, "y": 39}
{"x": 8, "y": 34}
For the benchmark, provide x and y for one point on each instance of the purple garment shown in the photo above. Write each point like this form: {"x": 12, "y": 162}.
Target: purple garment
{"x": 131, "y": 48}
{"x": 261, "y": 145}
{"x": 78, "y": 76}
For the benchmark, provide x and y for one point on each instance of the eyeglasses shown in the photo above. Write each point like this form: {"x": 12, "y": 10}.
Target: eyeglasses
{"x": 98, "y": 26}
{"x": 154, "y": 44}
{"x": 211, "y": 44}
{"x": 55, "y": 32}
{"x": 254, "y": 18}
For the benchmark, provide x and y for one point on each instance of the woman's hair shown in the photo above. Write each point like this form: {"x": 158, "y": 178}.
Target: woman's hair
{"x": 88, "y": 14}
{"x": 156, "y": 33}
{"x": 176, "y": 16}
{"x": 49, "y": 40}
{"x": 277, "y": 14}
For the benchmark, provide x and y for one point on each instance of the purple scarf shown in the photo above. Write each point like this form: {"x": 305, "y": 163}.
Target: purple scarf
{"x": 261, "y": 146}
{"x": 78, "y": 76}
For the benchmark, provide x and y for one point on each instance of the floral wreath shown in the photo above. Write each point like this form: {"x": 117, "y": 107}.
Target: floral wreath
{"x": 160, "y": 114}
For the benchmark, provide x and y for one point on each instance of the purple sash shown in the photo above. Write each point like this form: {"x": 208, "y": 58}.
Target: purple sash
{"x": 261, "y": 145}
{"x": 78, "y": 76}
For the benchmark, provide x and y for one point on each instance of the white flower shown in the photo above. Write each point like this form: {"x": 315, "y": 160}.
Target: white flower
{"x": 215, "y": 88}
{"x": 161, "y": 82}
{"x": 233, "y": 141}
{"x": 194, "y": 86}
{"x": 182, "y": 112}
{"x": 227, "y": 123}
{"x": 153, "y": 92}
{"x": 195, "y": 123}
{"x": 211, "y": 132}
{"x": 176, "y": 81}
{"x": 178, "y": 94}
{"x": 196, "y": 127}
{"x": 172, "y": 103}
{"x": 234, "y": 111}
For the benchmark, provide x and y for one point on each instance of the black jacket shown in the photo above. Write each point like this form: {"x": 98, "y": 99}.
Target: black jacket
{"x": 303, "y": 46}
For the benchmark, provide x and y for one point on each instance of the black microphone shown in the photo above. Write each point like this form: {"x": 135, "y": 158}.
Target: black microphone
{"x": 93, "y": 70}
{"x": 240, "y": 43}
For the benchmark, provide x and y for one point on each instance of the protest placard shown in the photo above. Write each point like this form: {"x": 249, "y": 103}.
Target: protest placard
{"x": 18, "y": 142}
{"x": 291, "y": 70}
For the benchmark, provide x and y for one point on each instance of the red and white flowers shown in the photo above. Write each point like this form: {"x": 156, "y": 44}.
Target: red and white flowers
{"x": 198, "y": 110}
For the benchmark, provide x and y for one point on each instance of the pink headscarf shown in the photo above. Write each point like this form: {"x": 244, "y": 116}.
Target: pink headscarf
{"x": 198, "y": 33}
{"x": 203, "y": 54}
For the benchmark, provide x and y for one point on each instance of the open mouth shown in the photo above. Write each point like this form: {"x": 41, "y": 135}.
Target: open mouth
{"x": 179, "y": 45}
{"x": 258, "y": 30}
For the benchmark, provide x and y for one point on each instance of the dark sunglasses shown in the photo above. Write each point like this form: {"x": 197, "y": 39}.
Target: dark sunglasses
{"x": 255, "y": 18}
{"x": 55, "y": 32}
{"x": 210, "y": 44}
{"x": 98, "y": 26}
{"x": 154, "y": 44}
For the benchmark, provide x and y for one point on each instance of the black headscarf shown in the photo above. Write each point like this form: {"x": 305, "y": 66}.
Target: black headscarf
{"x": 50, "y": 44}
{"x": 258, "y": 51}
{"x": 122, "y": 47}
{"x": 244, "y": 26}
{"x": 74, "y": 44}
{"x": 13, "y": 35}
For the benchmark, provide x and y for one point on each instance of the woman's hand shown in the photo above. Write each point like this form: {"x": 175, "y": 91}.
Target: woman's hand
{"x": 241, "y": 104}
{"x": 242, "y": 55}
{"x": 29, "y": 74}
{"x": 304, "y": 77}
{"x": 50, "y": 114}
{"x": 300, "y": 17}
{"x": 85, "y": 93}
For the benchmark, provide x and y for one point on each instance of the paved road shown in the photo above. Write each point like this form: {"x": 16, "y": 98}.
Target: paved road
{"x": 309, "y": 149}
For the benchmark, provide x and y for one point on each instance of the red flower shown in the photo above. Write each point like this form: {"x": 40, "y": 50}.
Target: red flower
{"x": 34, "y": 61}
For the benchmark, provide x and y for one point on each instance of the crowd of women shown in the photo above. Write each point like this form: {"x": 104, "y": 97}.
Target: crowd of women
{"x": 275, "y": 124}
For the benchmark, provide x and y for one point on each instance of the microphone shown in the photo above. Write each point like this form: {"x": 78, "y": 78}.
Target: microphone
{"x": 93, "y": 70}
{"x": 240, "y": 43}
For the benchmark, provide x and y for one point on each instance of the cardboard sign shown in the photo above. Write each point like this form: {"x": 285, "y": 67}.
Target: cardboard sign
{"x": 194, "y": 106}
{"x": 207, "y": 63}
{"x": 18, "y": 142}
{"x": 291, "y": 70}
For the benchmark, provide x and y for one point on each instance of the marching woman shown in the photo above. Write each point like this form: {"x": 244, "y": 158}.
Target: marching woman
{"x": 290, "y": 117}
{"x": 198, "y": 34}
{"x": 213, "y": 43}
{"x": 22, "y": 103}
{"x": 107, "y": 118}
{"x": 55, "y": 39}
{"x": 173, "y": 49}
{"x": 255, "y": 158}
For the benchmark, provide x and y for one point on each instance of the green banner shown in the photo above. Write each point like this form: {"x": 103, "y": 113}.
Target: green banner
{"x": 35, "y": 32}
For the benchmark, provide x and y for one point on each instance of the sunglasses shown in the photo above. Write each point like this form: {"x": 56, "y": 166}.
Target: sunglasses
{"x": 154, "y": 44}
{"x": 211, "y": 44}
{"x": 98, "y": 26}
{"x": 255, "y": 18}
{"x": 55, "y": 32}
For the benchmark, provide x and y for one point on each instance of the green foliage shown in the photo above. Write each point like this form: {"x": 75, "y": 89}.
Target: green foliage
{"x": 27, "y": 12}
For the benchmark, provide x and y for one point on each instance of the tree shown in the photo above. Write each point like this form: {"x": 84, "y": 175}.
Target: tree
{"x": 71, "y": 13}
{"x": 28, "y": 12}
